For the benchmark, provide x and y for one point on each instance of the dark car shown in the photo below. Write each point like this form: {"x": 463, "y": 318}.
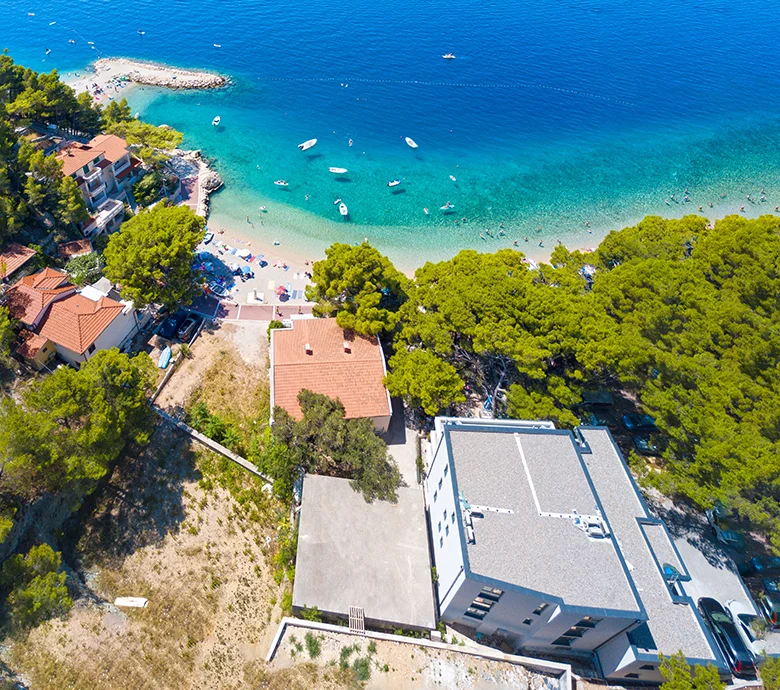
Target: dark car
{"x": 639, "y": 422}
{"x": 728, "y": 638}
{"x": 760, "y": 566}
{"x": 188, "y": 327}
{"x": 597, "y": 417}
{"x": 646, "y": 444}
{"x": 171, "y": 325}
{"x": 769, "y": 602}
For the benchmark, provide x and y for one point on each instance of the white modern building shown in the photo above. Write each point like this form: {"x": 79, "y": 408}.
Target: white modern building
{"x": 540, "y": 535}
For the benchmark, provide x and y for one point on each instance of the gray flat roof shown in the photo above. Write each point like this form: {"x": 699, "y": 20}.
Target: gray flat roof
{"x": 672, "y": 626}
{"x": 516, "y": 469}
{"x": 372, "y": 555}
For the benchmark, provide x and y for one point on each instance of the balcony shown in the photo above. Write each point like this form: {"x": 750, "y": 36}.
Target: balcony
{"x": 93, "y": 175}
{"x": 107, "y": 211}
{"x": 122, "y": 165}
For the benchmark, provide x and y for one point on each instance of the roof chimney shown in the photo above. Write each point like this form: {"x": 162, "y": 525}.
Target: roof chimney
{"x": 347, "y": 348}
{"x": 308, "y": 349}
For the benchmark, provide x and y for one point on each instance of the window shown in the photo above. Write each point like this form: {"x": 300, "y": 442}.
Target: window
{"x": 85, "y": 169}
{"x": 563, "y": 641}
{"x": 446, "y": 469}
{"x": 491, "y": 593}
{"x": 441, "y": 542}
{"x": 435, "y": 496}
{"x": 475, "y": 613}
{"x": 446, "y": 530}
{"x": 445, "y": 513}
{"x": 527, "y": 621}
{"x": 539, "y": 610}
{"x": 588, "y": 622}
{"x": 91, "y": 348}
{"x": 647, "y": 667}
{"x": 440, "y": 527}
{"x": 576, "y": 632}
{"x": 632, "y": 675}
{"x": 480, "y": 603}
{"x": 440, "y": 482}
{"x": 453, "y": 517}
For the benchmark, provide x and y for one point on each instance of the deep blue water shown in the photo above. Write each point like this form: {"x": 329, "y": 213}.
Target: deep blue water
{"x": 553, "y": 113}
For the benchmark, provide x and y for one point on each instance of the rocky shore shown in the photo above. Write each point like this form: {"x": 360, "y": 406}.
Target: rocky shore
{"x": 190, "y": 165}
{"x": 152, "y": 74}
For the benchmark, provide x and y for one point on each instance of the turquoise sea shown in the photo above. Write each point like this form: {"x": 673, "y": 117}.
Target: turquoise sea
{"x": 553, "y": 114}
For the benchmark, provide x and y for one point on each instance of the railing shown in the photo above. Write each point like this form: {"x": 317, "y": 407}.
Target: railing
{"x": 107, "y": 211}
{"x": 122, "y": 167}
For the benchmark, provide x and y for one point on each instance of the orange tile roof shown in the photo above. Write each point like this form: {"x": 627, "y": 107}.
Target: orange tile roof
{"x": 75, "y": 322}
{"x": 75, "y": 156}
{"x": 31, "y": 344}
{"x": 31, "y": 295}
{"x": 69, "y": 250}
{"x": 355, "y": 377}
{"x": 112, "y": 146}
{"x": 13, "y": 257}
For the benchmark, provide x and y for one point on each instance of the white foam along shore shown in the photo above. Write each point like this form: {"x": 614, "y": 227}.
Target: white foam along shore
{"x": 106, "y": 76}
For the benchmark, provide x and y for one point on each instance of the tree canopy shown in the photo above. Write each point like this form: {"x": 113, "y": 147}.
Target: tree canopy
{"x": 324, "y": 442}
{"x": 679, "y": 676}
{"x": 359, "y": 286}
{"x": 151, "y": 256}
{"x": 423, "y": 380}
{"x": 70, "y": 425}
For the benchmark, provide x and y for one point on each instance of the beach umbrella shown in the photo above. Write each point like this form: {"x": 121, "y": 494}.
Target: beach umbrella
{"x": 280, "y": 290}
{"x": 243, "y": 253}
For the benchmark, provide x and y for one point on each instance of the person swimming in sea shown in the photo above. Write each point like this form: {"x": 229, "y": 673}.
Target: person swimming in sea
{"x": 514, "y": 244}
{"x": 540, "y": 243}
{"x": 350, "y": 142}
{"x": 526, "y": 238}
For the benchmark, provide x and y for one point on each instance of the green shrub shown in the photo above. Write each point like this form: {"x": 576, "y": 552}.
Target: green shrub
{"x": 313, "y": 645}
{"x": 311, "y": 614}
{"x": 362, "y": 669}
{"x": 274, "y": 324}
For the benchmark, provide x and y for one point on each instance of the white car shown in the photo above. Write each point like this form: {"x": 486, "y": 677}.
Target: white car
{"x": 744, "y": 617}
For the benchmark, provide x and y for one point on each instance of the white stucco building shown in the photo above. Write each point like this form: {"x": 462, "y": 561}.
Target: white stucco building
{"x": 541, "y": 536}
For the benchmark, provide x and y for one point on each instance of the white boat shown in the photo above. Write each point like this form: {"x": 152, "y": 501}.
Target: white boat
{"x": 52, "y": 23}
{"x": 70, "y": 40}
{"x": 281, "y": 183}
{"x": 217, "y": 45}
{"x": 48, "y": 50}
{"x": 393, "y": 183}
{"x": 90, "y": 43}
{"x": 343, "y": 210}
{"x": 31, "y": 14}
{"x": 216, "y": 121}
{"x": 411, "y": 142}
{"x": 140, "y": 32}
{"x": 338, "y": 171}
{"x": 447, "y": 206}
{"x": 452, "y": 177}
{"x": 306, "y": 145}
{"x": 448, "y": 56}
{"x": 338, "y": 201}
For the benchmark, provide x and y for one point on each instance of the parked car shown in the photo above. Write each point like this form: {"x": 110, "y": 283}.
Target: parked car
{"x": 717, "y": 516}
{"x": 219, "y": 290}
{"x": 639, "y": 422}
{"x": 647, "y": 444}
{"x": 761, "y": 566}
{"x": 728, "y": 638}
{"x": 769, "y": 602}
{"x": 171, "y": 325}
{"x": 597, "y": 416}
{"x": 746, "y": 623}
{"x": 188, "y": 327}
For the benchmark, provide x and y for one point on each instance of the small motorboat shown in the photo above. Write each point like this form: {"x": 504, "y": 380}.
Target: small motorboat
{"x": 141, "y": 32}
{"x": 447, "y": 206}
{"x": 90, "y": 43}
{"x": 216, "y": 121}
{"x": 219, "y": 290}
{"x": 31, "y": 14}
{"x": 343, "y": 210}
{"x": 281, "y": 183}
{"x": 306, "y": 145}
{"x": 52, "y": 23}
{"x": 427, "y": 212}
{"x": 452, "y": 177}
{"x": 337, "y": 202}
{"x": 448, "y": 56}
{"x": 393, "y": 183}
{"x": 71, "y": 41}
{"x": 165, "y": 357}
{"x": 217, "y": 45}
{"x": 48, "y": 50}
{"x": 208, "y": 237}
{"x": 338, "y": 171}
{"x": 411, "y": 142}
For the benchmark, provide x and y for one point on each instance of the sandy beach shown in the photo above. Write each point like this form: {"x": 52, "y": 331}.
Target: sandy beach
{"x": 106, "y": 78}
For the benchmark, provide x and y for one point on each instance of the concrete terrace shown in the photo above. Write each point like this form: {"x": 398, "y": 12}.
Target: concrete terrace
{"x": 370, "y": 555}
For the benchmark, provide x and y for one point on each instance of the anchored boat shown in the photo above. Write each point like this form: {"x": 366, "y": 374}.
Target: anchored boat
{"x": 306, "y": 145}
{"x": 411, "y": 142}
{"x": 343, "y": 210}
{"x": 338, "y": 171}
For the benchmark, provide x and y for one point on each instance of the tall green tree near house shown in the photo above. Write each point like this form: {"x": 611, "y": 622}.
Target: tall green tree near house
{"x": 360, "y": 287}
{"x": 678, "y": 675}
{"x": 324, "y": 442}
{"x": 151, "y": 256}
{"x": 69, "y": 426}
{"x": 424, "y": 380}
{"x": 70, "y": 205}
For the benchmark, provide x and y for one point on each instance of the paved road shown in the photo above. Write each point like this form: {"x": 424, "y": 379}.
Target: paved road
{"x": 260, "y": 312}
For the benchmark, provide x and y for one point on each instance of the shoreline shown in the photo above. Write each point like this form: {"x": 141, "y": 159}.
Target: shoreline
{"x": 106, "y": 77}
